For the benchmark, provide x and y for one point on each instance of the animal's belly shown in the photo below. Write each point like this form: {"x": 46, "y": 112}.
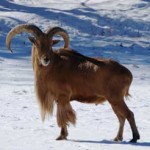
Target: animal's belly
{"x": 93, "y": 99}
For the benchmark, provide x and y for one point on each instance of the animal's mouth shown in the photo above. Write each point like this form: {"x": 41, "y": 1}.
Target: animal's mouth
{"x": 45, "y": 61}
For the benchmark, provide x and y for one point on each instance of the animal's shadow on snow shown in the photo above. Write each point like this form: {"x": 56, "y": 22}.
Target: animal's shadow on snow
{"x": 144, "y": 144}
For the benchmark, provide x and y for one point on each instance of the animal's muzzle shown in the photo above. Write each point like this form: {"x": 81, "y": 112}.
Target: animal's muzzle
{"x": 45, "y": 61}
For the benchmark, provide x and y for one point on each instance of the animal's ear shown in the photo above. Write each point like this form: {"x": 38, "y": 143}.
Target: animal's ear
{"x": 32, "y": 39}
{"x": 55, "y": 41}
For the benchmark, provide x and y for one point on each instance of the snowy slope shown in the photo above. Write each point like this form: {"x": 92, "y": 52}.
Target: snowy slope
{"x": 106, "y": 28}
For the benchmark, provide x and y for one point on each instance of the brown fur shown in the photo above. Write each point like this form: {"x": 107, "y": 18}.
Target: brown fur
{"x": 65, "y": 114}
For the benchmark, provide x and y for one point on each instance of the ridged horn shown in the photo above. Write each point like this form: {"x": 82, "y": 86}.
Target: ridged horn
{"x": 29, "y": 28}
{"x": 59, "y": 31}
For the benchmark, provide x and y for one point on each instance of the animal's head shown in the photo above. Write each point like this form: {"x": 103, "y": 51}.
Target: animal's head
{"x": 42, "y": 41}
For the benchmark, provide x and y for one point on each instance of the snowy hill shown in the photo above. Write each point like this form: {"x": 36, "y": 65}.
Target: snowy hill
{"x": 106, "y": 28}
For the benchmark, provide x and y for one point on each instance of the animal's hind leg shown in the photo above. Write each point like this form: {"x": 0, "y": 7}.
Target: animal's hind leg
{"x": 121, "y": 119}
{"x": 127, "y": 113}
{"x": 65, "y": 115}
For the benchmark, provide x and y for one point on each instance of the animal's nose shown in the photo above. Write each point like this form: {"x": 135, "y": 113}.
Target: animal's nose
{"x": 45, "y": 61}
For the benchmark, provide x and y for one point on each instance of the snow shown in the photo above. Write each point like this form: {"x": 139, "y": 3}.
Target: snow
{"x": 106, "y": 28}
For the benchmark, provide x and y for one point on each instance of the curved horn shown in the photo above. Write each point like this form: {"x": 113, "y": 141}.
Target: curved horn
{"x": 59, "y": 31}
{"x": 30, "y": 28}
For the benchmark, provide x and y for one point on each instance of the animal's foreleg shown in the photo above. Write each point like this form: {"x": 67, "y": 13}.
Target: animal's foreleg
{"x": 65, "y": 115}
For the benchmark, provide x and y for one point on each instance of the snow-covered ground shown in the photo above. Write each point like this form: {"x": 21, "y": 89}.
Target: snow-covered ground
{"x": 112, "y": 29}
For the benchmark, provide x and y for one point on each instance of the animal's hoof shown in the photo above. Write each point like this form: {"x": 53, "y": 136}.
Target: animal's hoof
{"x": 61, "y": 138}
{"x": 118, "y": 139}
{"x": 133, "y": 140}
